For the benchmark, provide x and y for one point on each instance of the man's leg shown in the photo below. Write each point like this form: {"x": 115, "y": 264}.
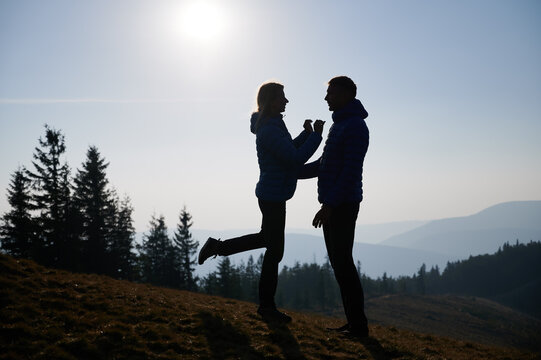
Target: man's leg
{"x": 339, "y": 235}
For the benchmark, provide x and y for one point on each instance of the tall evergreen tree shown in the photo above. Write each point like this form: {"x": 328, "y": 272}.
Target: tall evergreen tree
{"x": 71, "y": 258}
{"x": 210, "y": 284}
{"x": 421, "y": 280}
{"x": 250, "y": 280}
{"x": 157, "y": 255}
{"x": 50, "y": 179}
{"x": 97, "y": 208}
{"x": 187, "y": 248}
{"x": 228, "y": 279}
{"x": 123, "y": 259}
{"x": 17, "y": 227}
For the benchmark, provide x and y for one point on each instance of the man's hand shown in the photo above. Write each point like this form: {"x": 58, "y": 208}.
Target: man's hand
{"x": 308, "y": 125}
{"x": 318, "y": 126}
{"x": 322, "y": 216}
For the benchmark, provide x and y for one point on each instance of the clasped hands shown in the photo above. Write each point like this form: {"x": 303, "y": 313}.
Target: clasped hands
{"x": 318, "y": 126}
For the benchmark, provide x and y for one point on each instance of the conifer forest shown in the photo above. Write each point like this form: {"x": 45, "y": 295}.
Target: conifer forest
{"x": 75, "y": 220}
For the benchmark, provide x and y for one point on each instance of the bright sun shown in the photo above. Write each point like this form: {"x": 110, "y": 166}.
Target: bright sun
{"x": 202, "y": 21}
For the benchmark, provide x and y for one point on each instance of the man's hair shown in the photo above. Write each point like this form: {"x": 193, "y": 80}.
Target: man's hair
{"x": 345, "y": 84}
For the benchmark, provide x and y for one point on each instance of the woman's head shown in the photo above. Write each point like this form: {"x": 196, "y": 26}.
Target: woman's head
{"x": 271, "y": 99}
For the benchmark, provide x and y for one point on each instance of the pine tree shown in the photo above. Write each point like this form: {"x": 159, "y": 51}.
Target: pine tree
{"x": 385, "y": 283}
{"x": 228, "y": 279}
{"x": 250, "y": 280}
{"x": 51, "y": 182}
{"x": 157, "y": 256}
{"x": 210, "y": 284}
{"x": 17, "y": 229}
{"x": 123, "y": 259}
{"x": 187, "y": 248}
{"x": 97, "y": 208}
{"x": 421, "y": 278}
{"x": 72, "y": 229}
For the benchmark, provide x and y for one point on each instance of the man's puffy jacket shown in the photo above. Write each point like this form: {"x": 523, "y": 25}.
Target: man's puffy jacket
{"x": 340, "y": 168}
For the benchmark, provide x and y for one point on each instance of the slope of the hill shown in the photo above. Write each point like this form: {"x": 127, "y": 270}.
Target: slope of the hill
{"x": 460, "y": 317}
{"x": 52, "y": 314}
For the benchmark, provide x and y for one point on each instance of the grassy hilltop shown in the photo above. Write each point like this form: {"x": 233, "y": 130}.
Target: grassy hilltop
{"x": 53, "y": 314}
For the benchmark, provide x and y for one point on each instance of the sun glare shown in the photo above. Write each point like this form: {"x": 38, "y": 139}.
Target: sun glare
{"x": 202, "y": 21}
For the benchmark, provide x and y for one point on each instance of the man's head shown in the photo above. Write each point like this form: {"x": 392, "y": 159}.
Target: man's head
{"x": 340, "y": 92}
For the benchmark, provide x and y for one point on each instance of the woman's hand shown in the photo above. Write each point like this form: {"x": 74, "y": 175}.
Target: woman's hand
{"x": 308, "y": 125}
{"x": 318, "y": 126}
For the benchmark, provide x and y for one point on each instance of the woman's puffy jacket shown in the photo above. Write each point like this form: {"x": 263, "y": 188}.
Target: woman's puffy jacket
{"x": 280, "y": 157}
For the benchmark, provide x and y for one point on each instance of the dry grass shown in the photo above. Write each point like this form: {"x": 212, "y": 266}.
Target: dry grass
{"x": 51, "y": 314}
{"x": 460, "y": 317}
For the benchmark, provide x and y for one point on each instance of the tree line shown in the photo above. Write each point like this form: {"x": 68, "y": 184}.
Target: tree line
{"x": 79, "y": 223}
{"x": 511, "y": 276}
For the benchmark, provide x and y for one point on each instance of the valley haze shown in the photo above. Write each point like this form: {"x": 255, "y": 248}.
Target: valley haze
{"x": 400, "y": 248}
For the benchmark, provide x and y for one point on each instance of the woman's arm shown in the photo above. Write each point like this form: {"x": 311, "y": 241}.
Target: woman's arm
{"x": 274, "y": 141}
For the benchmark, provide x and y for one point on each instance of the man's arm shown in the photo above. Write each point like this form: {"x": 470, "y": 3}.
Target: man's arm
{"x": 322, "y": 216}
{"x": 310, "y": 170}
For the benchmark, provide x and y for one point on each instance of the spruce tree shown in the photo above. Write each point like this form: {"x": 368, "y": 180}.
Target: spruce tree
{"x": 157, "y": 255}
{"x": 187, "y": 248}
{"x": 250, "y": 280}
{"x": 97, "y": 209}
{"x": 210, "y": 284}
{"x": 17, "y": 228}
{"x": 228, "y": 279}
{"x": 421, "y": 278}
{"x": 72, "y": 228}
{"x": 50, "y": 180}
{"x": 123, "y": 259}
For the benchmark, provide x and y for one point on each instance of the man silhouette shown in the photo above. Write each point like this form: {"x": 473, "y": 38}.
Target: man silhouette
{"x": 339, "y": 172}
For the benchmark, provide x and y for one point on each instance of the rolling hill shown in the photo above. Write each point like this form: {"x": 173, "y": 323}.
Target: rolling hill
{"x": 405, "y": 246}
{"x": 476, "y": 234}
{"x": 375, "y": 259}
{"x": 53, "y": 314}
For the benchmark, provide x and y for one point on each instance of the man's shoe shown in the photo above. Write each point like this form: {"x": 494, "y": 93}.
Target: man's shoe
{"x": 209, "y": 249}
{"x": 356, "y": 332}
{"x": 339, "y": 329}
{"x": 271, "y": 314}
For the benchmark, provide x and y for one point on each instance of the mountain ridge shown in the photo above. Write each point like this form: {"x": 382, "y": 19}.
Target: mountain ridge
{"x": 375, "y": 259}
{"x": 482, "y": 232}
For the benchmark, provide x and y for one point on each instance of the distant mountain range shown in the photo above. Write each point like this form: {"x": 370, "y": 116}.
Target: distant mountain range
{"x": 375, "y": 259}
{"x": 402, "y": 247}
{"x": 476, "y": 234}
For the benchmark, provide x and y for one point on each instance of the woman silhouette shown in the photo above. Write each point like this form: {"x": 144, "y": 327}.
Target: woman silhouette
{"x": 280, "y": 158}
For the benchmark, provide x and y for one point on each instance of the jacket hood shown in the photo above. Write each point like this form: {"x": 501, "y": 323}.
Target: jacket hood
{"x": 253, "y": 121}
{"x": 354, "y": 108}
{"x": 266, "y": 120}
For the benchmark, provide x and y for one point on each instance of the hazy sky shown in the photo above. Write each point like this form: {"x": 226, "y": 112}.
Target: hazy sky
{"x": 453, "y": 89}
